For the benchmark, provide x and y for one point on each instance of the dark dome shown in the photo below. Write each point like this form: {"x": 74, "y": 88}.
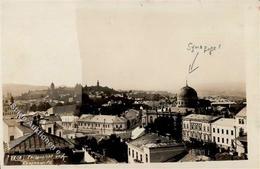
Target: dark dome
{"x": 187, "y": 93}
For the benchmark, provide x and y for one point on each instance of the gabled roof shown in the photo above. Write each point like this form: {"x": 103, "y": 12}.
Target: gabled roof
{"x": 33, "y": 142}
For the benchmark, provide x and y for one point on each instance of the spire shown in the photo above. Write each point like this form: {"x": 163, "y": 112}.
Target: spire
{"x": 186, "y": 82}
{"x": 98, "y": 83}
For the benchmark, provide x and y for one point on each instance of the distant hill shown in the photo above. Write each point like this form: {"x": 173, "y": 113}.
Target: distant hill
{"x": 18, "y": 89}
{"x": 236, "y": 90}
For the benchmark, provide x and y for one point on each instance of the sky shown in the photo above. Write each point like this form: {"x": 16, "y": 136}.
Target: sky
{"x": 123, "y": 45}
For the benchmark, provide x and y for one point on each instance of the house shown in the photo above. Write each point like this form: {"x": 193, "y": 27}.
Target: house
{"x": 102, "y": 124}
{"x": 51, "y": 124}
{"x": 69, "y": 122}
{"x": 13, "y": 129}
{"x": 133, "y": 118}
{"x": 198, "y": 127}
{"x": 241, "y": 122}
{"x": 153, "y": 148}
{"x": 224, "y": 132}
{"x": 34, "y": 149}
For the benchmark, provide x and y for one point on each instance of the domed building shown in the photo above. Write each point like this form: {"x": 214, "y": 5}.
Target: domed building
{"x": 187, "y": 97}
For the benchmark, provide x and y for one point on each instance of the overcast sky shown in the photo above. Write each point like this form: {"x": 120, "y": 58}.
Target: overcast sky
{"x": 123, "y": 45}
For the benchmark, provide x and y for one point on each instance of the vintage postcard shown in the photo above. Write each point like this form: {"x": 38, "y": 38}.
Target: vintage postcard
{"x": 130, "y": 83}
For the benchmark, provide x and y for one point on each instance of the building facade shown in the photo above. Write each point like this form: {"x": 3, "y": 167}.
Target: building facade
{"x": 224, "y": 132}
{"x": 102, "y": 124}
{"x": 198, "y": 127}
{"x": 153, "y": 148}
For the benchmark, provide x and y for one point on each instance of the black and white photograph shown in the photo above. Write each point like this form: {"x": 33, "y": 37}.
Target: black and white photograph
{"x": 125, "y": 82}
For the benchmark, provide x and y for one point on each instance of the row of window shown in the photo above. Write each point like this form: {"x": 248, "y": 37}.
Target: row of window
{"x": 197, "y": 135}
{"x": 222, "y": 131}
{"x": 222, "y": 140}
{"x": 241, "y": 121}
{"x": 135, "y": 155}
{"x": 195, "y": 126}
{"x": 98, "y": 125}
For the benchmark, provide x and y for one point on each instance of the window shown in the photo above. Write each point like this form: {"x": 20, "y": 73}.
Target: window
{"x": 141, "y": 157}
{"x": 227, "y": 140}
{"x": 133, "y": 153}
{"x": 226, "y": 131}
{"x": 213, "y": 130}
{"x": 222, "y": 131}
{"x": 218, "y": 139}
{"x": 218, "y": 130}
{"x": 60, "y": 134}
{"x": 232, "y": 132}
{"x": 137, "y": 155}
{"x": 151, "y": 119}
{"x": 222, "y": 140}
{"x": 129, "y": 151}
{"x": 146, "y": 158}
{"x": 214, "y": 139}
{"x": 11, "y": 138}
{"x": 204, "y": 128}
{"x": 208, "y": 129}
{"x": 49, "y": 129}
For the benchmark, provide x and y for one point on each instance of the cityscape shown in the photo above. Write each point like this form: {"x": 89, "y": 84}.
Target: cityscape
{"x": 126, "y": 82}
{"x": 97, "y": 124}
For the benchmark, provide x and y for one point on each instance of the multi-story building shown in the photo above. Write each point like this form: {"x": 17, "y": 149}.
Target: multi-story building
{"x": 198, "y": 127}
{"x": 241, "y": 122}
{"x": 224, "y": 132}
{"x": 153, "y": 148}
{"x": 69, "y": 122}
{"x": 102, "y": 124}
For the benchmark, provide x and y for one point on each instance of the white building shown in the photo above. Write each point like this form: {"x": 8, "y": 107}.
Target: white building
{"x": 197, "y": 126}
{"x": 241, "y": 122}
{"x": 102, "y": 124}
{"x": 13, "y": 129}
{"x": 69, "y": 122}
{"x": 153, "y": 148}
{"x": 224, "y": 132}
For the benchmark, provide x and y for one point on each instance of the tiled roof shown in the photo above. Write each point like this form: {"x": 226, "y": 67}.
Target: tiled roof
{"x": 32, "y": 142}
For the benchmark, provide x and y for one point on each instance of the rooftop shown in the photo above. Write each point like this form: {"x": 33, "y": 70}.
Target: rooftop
{"x": 242, "y": 113}
{"x": 152, "y": 140}
{"x": 102, "y": 119}
{"x": 201, "y": 117}
{"x": 31, "y": 142}
{"x": 228, "y": 122}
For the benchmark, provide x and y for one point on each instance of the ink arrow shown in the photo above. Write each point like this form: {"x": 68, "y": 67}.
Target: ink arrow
{"x": 191, "y": 69}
